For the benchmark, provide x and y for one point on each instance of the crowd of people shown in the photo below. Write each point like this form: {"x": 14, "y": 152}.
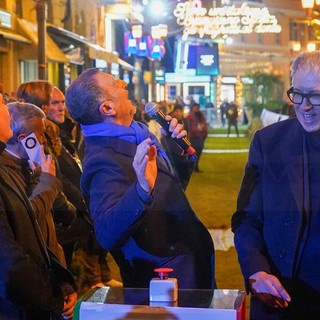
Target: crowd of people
{"x": 72, "y": 219}
{"x": 35, "y": 284}
{"x": 84, "y": 175}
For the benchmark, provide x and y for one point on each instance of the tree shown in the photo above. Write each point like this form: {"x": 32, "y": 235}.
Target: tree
{"x": 264, "y": 91}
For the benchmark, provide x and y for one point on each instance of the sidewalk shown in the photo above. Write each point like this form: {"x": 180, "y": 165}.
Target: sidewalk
{"x": 222, "y": 239}
{"x": 224, "y": 135}
{"x": 225, "y": 150}
{"x": 214, "y": 122}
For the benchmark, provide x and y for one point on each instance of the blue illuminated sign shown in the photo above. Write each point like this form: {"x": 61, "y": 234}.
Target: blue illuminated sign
{"x": 207, "y": 62}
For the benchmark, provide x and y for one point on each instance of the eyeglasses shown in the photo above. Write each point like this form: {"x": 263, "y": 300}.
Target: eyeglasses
{"x": 297, "y": 97}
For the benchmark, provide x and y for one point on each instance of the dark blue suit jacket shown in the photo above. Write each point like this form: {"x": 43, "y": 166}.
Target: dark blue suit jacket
{"x": 144, "y": 232}
{"x": 271, "y": 230}
{"x": 269, "y": 233}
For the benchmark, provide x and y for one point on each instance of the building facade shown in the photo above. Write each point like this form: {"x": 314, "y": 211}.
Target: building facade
{"x": 75, "y": 39}
{"x": 240, "y": 53}
{"x": 82, "y": 34}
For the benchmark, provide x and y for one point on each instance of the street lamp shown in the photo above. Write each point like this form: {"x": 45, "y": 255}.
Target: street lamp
{"x": 312, "y": 8}
{"x": 41, "y": 22}
{"x": 158, "y": 33}
{"x": 311, "y": 46}
{"x": 309, "y": 5}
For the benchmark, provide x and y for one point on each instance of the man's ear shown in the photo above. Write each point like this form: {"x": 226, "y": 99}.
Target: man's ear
{"x": 106, "y": 109}
{"x": 45, "y": 108}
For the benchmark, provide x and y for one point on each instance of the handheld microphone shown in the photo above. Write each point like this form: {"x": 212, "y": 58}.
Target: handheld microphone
{"x": 152, "y": 110}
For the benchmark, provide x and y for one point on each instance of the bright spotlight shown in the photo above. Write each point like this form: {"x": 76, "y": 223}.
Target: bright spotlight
{"x": 156, "y": 7}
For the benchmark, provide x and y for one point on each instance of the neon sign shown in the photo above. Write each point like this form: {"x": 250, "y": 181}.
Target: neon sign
{"x": 207, "y": 59}
{"x": 223, "y": 21}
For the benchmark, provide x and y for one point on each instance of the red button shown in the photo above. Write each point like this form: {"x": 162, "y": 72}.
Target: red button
{"x": 163, "y": 272}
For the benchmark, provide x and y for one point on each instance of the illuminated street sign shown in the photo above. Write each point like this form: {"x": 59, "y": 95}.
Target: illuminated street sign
{"x": 223, "y": 21}
{"x": 207, "y": 60}
{"x": 159, "y": 75}
{"x": 204, "y": 59}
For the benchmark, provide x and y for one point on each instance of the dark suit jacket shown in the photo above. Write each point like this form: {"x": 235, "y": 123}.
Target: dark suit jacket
{"x": 42, "y": 188}
{"x": 271, "y": 227}
{"x": 27, "y": 288}
{"x": 82, "y": 226}
{"x": 144, "y": 232}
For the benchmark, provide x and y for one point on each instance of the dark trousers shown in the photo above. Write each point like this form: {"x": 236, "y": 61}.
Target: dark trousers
{"x": 235, "y": 125}
{"x": 198, "y": 145}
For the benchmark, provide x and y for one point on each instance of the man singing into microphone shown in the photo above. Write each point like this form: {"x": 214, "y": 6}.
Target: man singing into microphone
{"x": 140, "y": 212}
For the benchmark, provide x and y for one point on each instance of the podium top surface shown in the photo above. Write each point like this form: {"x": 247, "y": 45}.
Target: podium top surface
{"x": 212, "y": 299}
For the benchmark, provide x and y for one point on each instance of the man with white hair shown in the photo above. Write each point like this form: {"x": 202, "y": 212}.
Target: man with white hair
{"x": 39, "y": 181}
{"x": 277, "y": 222}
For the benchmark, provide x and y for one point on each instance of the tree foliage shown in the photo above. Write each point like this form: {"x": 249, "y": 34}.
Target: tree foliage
{"x": 264, "y": 91}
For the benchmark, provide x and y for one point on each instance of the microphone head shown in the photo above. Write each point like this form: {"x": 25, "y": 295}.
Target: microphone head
{"x": 151, "y": 108}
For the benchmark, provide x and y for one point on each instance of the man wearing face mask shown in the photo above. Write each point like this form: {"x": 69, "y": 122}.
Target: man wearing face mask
{"x": 277, "y": 221}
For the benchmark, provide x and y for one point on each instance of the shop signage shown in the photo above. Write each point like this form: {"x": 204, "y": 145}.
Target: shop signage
{"x": 5, "y": 19}
{"x": 159, "y": 76}
{"x": 223, "y": 21}
{"x": 204, "y": 59}
{"x": 207, "y": 60}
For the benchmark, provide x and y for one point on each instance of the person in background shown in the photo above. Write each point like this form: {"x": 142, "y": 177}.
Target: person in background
{"x": 33, "y": 284}
{"x": 89, "y": 259}
{"x": 28, "y": 119}
{"x": 223, "y": 107}
{"x": 5, "y": 129}
{"x": 209, "y": 104}
{"x": 39, "y": 93}
{"x": 198, "y": 131}
{"x": 277, "y": 222}
{"x": 140, "y": 114}
{"x": 179, "y": 100}
{"x": 164, "y": 106}
{"x": 180, "y": 167}
{"x": 232, "y": 117}
{"x": 140, "y": 211}
{"x": 191, "y": 101}
{"x": 177, "y": 113}
{"x": 211, "y": 110}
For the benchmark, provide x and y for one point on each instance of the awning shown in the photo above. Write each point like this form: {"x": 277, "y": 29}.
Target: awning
{"x": 30, "y": 30}
{"x": 125, "y": 65}
{"x": 66, "y": 38}
{"x": 97, "y": 52}
{"x": 14, "y": 37}
{"x": 75, "y": 56}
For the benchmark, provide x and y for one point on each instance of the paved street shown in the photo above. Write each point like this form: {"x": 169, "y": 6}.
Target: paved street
{"x": 222, "y": 239}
